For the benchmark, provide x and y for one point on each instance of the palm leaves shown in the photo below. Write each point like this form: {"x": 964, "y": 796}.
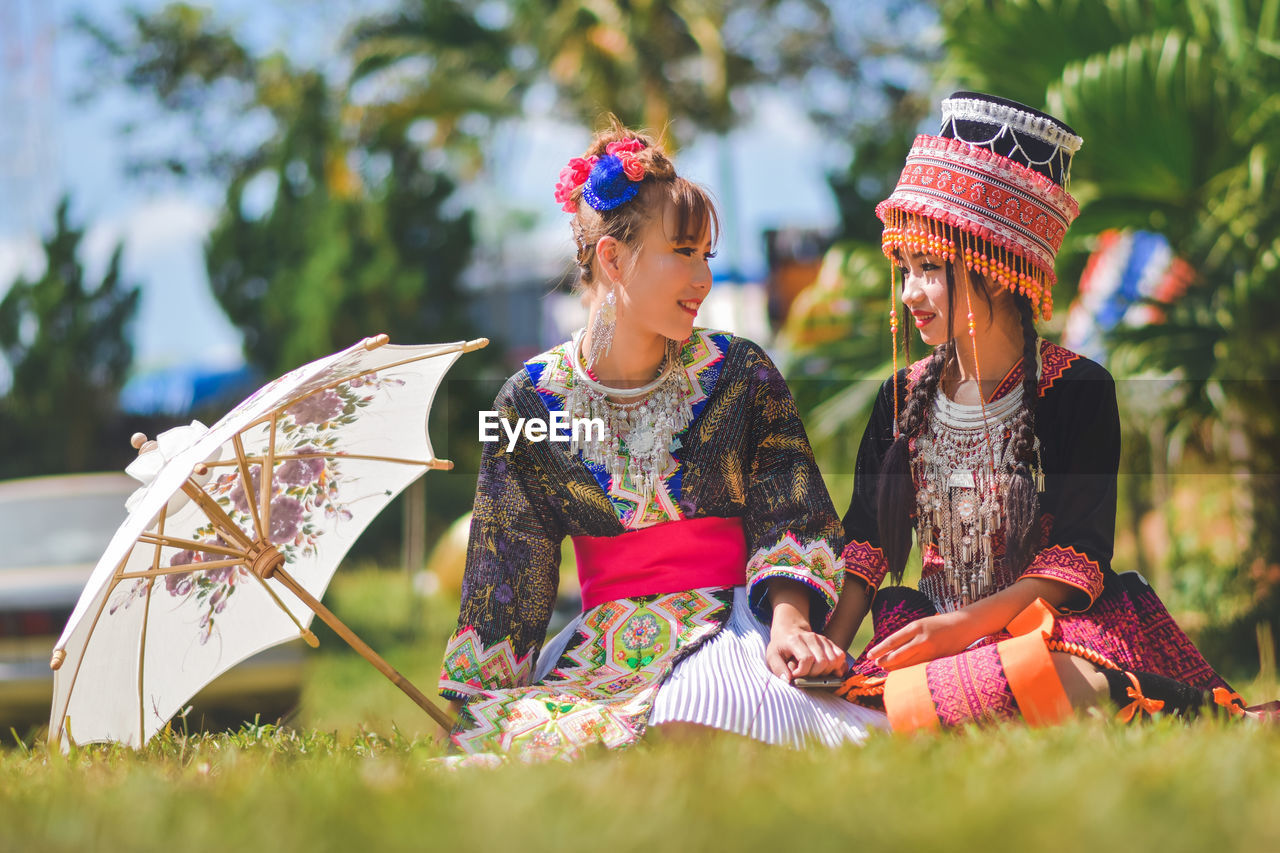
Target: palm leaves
{"x": 436, "y": 60}
{"x": 1188, "y": 118}
{"x": 1177, "y": 103}
{"x": 1019, "y": 47}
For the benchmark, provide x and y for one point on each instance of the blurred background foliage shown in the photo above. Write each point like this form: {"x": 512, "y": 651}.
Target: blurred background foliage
{"x": 344, "y": 210}
{"x": 331, "y": 226}
{"x": 66, "y": 343}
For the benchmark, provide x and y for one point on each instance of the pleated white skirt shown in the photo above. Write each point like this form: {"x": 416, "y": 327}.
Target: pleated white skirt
{"x": 727, "y": 685}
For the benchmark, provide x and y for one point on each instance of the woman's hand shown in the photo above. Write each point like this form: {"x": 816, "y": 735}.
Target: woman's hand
{"x": 924, "y": 640}
{"x": 795, "y": 650}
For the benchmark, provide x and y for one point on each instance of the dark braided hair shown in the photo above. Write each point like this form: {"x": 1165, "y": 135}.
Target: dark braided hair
{"x": 1022, "y": 504}
{"x": 896, "y": 494}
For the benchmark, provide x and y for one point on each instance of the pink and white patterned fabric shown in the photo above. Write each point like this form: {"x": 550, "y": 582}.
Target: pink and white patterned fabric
{"x": 989, "y": 196}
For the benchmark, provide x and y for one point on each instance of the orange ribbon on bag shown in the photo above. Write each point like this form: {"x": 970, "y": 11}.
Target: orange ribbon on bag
{"x": 1139, "y": 703}
{"x": 1230, "y": 700}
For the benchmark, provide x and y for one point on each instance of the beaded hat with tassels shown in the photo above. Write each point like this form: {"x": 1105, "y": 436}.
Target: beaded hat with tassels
{"x": 989, "y": 192}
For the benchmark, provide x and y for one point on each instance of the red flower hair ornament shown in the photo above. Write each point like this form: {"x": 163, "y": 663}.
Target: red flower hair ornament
{"x": 571, "y": 177}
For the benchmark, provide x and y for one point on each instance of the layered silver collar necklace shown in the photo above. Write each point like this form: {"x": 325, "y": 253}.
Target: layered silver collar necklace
{"x": 962, "y": 465}
{"x": 641, "y": 424}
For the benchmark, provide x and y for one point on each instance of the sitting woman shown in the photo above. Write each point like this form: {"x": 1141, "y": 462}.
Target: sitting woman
{"x": 705, "y": 540}
{"x": 1001, "y": 450}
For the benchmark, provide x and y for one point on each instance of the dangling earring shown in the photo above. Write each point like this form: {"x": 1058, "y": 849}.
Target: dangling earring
{"x": 602, "y": 327}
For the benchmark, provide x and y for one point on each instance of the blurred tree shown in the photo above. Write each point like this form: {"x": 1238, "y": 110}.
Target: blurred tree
{"x": 857, "y": 68}
{"x": 878, "y": 151}
{"x": 333, "y": 228}
{"x": 836, "y": 352}
{"x": 66, "y": 342}
{"x": 327, "y": 242}
{"x": 836, "y": 346}
{"x": 1179, "y": 105}
{"x": 650, "y": 63}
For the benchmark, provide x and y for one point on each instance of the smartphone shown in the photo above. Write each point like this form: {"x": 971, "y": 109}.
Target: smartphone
{"x": 821, "y": 682}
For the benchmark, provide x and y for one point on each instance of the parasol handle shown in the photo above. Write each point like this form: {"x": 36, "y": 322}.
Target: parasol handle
{"x": 443, "y": 719}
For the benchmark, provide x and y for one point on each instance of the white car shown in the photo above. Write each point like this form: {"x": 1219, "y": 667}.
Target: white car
{"x": 53, "y": 531}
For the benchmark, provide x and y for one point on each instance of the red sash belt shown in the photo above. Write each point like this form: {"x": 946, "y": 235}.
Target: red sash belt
{"x": 669, "y": 557}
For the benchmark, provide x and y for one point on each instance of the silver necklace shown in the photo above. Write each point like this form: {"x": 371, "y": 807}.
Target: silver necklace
{"x": 640, "y": 423}
{"x": 962, "y": 464}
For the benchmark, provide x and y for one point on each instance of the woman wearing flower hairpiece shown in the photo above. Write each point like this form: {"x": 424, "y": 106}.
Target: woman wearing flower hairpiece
{"x": 698, "y": 518}
{"x": 1001, "y": 450}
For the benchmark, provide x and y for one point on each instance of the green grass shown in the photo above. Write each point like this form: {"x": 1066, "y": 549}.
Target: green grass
{"x": 354, "y": 772}
{"x": 1085, "y": 786}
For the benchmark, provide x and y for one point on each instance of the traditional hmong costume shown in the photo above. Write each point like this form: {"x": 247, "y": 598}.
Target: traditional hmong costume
{"x": 1115, "y": 620}
{"x": 988, "y": 193}
{"x": 673, "y": 570}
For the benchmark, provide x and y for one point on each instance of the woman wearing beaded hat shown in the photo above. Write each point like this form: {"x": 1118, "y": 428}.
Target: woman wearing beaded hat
{"x": 1001, "y": 450}
{"x": 698, "y": 518}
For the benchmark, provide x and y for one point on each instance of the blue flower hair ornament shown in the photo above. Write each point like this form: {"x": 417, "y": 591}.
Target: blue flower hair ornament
{"x": 609, "y": 186}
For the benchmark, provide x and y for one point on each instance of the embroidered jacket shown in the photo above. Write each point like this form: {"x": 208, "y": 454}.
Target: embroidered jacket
{"x": 1078, "y": 425}
{"x": 744, "y": 455}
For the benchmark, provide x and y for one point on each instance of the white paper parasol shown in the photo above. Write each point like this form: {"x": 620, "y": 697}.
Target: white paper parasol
{"x": 205, "y": 572}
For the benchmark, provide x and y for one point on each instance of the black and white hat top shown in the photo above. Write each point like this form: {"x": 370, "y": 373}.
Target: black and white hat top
{"x": 1027, "y": 136}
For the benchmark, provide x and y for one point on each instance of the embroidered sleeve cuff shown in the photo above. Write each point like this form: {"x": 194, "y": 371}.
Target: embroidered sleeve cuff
{"x": 866, "y": 562}
{"x": 815, "y": 565}
{"x": 1067, "y": 565}
{"x": 470, "y": 668}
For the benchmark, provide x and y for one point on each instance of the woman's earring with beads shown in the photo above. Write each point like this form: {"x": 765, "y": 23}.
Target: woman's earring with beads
{"x": 602, "y": 327}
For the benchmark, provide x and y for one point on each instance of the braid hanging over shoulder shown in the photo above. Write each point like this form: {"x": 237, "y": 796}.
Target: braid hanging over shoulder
{"x": 1022, "y": 507}
{"x": 896, "y": 492}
